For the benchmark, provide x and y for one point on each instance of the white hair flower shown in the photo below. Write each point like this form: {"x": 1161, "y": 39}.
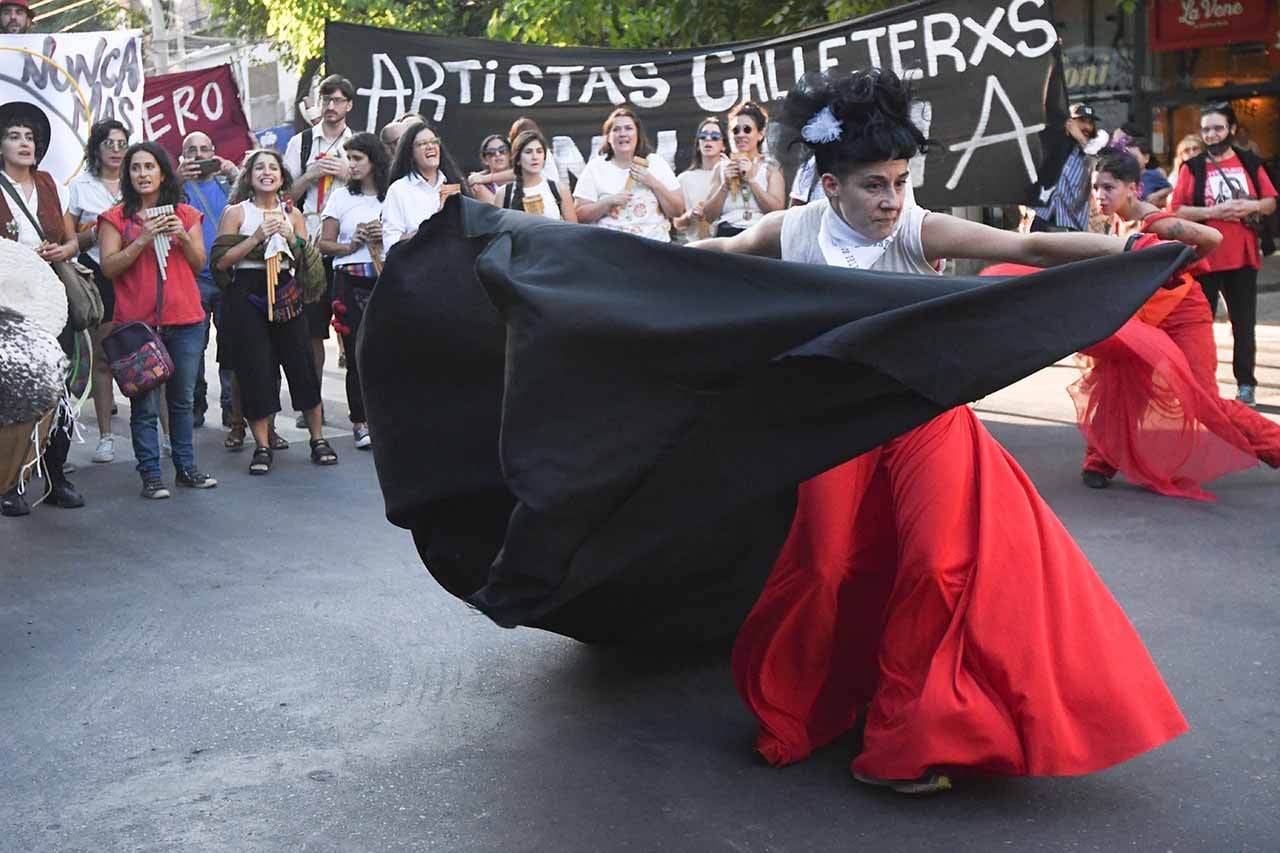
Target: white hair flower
{"x": 822, "y": 128}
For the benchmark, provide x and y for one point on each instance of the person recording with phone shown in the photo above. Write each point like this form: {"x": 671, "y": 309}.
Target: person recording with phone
{"x": 207, "y": 181}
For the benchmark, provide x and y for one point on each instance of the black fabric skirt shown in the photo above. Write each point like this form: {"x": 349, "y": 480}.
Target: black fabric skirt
{"x": 602, "y": 435}
{"x": 257, "y": 349}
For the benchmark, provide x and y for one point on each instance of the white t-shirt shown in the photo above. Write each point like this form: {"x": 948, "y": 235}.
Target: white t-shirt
{"x": 642, "y": 215}
{"x": 320, "y": 147}
{"x": 410, "y": 201}
{"x": 87, "y": 197}
{"x": 350, "y": 211}
{"x": 696, "y": 184}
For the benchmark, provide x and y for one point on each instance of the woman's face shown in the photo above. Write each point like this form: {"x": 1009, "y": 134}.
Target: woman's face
{"x": 496, "y": 155}
{"x": 870, "y": 198}
{"x": 710, "y": 141}
{"x": 623, "y": 136}
{"x": 532, "y": 158}
{"x": 426, "y": 151}
{"x": 111, "y": 150}
{"x": 1113, "y": 194}
{"x": 361, "y": 166}
{"x": 1187, "y": 150}
{"x": 145, "y": 174}
{"x": 18, "y": 147}
{"x": 266, "y": 176}
{"x": 746, "y": 136}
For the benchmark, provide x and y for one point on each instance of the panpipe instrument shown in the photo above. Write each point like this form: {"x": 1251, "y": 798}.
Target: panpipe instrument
{"x": 533, "y": 204}
{"x": 704, "y": 229}
{"x": 375, "y": 249}
{"x": 161, "y": 241}
{"x": 447, "y": 190}
{"x": 744, "y": 167}
{"x": 631, "y": 180}
{"x": 273, "y": 268}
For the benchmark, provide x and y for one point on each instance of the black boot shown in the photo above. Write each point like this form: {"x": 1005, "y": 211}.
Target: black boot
{"x": 14, "y": 504}
{"x": 61, "y": 493}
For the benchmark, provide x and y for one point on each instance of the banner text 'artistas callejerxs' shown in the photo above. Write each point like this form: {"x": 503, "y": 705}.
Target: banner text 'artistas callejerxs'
{"x": 987, "y": 73}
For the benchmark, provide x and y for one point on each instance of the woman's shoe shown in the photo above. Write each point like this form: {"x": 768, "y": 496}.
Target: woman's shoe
{"x": 261, "y": 462}
{"x": 1095, "y": 479}
{"x": 154, "y": 490}
{"x": 14, "y": 504}
{"x": 930, "y": 783}
{"x": 322, "y": 453}
{"x": 361, "y": 434}
{"x": 106, "y": 449}
{"x": 235, "y": 436}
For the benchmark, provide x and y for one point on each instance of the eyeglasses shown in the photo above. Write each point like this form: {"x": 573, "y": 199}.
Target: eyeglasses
{"x": 746, "y": 128}
{"x": 115, "y": 144}
{"x": 492, "y": 152}
{"x": 713, "y": 135}
{"x": 427, "y": 144}
{"x": 333, "y": 100}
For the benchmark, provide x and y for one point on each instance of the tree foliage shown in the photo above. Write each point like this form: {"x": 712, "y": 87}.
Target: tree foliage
{"x": 297, "y": 26}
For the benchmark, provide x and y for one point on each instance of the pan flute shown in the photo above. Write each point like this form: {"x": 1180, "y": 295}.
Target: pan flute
{"x": 533, "y": 204}
{"x": 375, "y": 252}
{"x": 631, "y": 180}
{"x": 161, "y": 242}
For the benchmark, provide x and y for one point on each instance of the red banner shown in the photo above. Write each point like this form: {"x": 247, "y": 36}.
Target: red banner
{"x": 207, "y": 100}
{"x": 1184, "y": 24}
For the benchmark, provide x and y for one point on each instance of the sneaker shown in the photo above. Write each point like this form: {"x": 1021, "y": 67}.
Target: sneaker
{"x": 106, "y": 449}
{"x": 166, "y": 449}
{"x": 154, "y": 490}
{"x": 193, "y": 478}
{"x": 1246, "y": 394}
{"x": 1095, "y": 479}
{"x": 361, "y": 435}
{"x": 930, "y": 783}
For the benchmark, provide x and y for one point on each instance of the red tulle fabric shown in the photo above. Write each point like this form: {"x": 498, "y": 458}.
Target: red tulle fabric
{"x": 930, "y": 580}
{"x": 1147, "y": 402}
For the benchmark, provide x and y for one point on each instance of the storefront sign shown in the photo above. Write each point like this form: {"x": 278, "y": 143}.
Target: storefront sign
{"x": 1185, "y": 24}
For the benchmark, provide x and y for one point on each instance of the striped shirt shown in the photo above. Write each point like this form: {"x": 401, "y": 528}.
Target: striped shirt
{"x": 1068, "y": 206}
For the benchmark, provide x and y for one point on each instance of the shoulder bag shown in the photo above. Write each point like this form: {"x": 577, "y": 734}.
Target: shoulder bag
{"x": 138, "y": 357}
{"x": 1255, "y": 222}
{"x": 84, "y": 303}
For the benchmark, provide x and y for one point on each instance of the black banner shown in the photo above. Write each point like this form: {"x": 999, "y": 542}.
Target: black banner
{"x": 987, "y": 73}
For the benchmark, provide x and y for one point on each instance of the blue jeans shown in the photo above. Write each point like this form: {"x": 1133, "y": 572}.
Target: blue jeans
{"x": 186, "y": 348}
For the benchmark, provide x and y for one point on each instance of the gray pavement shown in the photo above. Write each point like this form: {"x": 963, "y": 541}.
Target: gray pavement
{"x": 267, "y": 666}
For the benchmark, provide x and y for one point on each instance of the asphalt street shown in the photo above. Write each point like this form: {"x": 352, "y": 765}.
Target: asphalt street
{"x": 268, "y": 666}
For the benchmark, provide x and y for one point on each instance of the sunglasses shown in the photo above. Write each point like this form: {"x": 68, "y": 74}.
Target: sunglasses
{"x": 491, "y": 152}
{"x": 713, "y": 135}
{"x": 115, "y": 144}
{"x": 746, "y": 128}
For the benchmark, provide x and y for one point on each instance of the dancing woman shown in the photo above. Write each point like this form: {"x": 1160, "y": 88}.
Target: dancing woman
{"x": 926, "y": 580}
{"x": 1148, "y": 404}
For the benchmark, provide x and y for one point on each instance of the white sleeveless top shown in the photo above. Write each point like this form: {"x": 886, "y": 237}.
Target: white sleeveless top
{"x": 742, "y": 209}
{"x": 252, "y": 219}
{"x": 905, "y": 252}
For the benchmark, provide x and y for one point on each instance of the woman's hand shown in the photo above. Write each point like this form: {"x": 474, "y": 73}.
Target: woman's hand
{"x": 643, "y": 176}
{"x": 478, "y": 178}
{"x": 359, "y": 238}
{"x": 731, "y": 168}
{"x": 154, "y": 227}
{"x": 53, "y": 252}
{"x": 614, "y": 199}
{"x": 372, "y": 231}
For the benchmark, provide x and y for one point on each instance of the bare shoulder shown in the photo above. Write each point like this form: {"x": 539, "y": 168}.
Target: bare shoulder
{"x": 232, "y": 219}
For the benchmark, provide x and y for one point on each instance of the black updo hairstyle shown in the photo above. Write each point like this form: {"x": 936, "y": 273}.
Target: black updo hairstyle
{"x": 1120, "y": 164}
{"x": 873, "y": 106}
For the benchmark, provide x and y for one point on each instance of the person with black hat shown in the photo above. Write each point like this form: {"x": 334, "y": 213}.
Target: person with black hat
{"x": 33, "y": 212}
{"x": 15, "y": 17}
{"x": 1066, "y": 204}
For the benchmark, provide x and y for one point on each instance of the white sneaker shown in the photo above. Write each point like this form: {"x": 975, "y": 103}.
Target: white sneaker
{"x": 106, "y": 449}
{"x": 166, "y": 449}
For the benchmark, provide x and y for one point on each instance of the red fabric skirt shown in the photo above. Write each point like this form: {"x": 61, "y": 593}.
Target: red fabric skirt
{"x": 1148, "y": 407}
{"x": 930, "y": 580}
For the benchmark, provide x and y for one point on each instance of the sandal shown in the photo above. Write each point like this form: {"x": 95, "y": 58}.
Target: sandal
{"x": 278, "y": 442}
{"x": 235, "y": 437}
{"x": 261, "y": 462}
{"x": 322, "y": 453}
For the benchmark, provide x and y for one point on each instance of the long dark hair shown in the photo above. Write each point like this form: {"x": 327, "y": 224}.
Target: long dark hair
{"x": 403, "y": 164}
{"x": 642, "y": 141}
{"x": 170, "y": 190}
{"x": 369, "y": 145}
{"x": 98, "y": 134}
{"x": 244, "y": 184}
{"x": 696, "y": 163}
{"x": 872, "y": 107}
{"x": 522, "y": 142}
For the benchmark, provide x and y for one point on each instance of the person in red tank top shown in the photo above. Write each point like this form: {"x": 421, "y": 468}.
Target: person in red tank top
{"x": 1148, "y": 402}
{"x": 1222, "y": 188}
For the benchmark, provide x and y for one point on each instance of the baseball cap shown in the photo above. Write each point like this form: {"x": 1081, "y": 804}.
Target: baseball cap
{"x": 1082, "y": 111}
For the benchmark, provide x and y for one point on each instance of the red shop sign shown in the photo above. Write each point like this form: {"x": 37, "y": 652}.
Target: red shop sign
{"x": 1182, "y": 24}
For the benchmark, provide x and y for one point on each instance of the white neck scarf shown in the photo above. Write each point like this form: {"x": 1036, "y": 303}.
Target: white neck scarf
{"x": 843, "y": 247}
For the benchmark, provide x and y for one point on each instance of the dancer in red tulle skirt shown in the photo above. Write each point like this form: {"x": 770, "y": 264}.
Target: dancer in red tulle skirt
{"x": 926, "y": 582}
{"x": 1147, "y": 403}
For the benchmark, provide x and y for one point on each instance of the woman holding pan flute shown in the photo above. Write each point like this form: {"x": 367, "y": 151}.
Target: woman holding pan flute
{"x": 148, "y": 241}
{"x": 532, "y": 191}
{"x": 629, "y": 188}
{"x": 748, "y": 184}
{"x": 351, "y": 234}
{"x": 264, "y": 317}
